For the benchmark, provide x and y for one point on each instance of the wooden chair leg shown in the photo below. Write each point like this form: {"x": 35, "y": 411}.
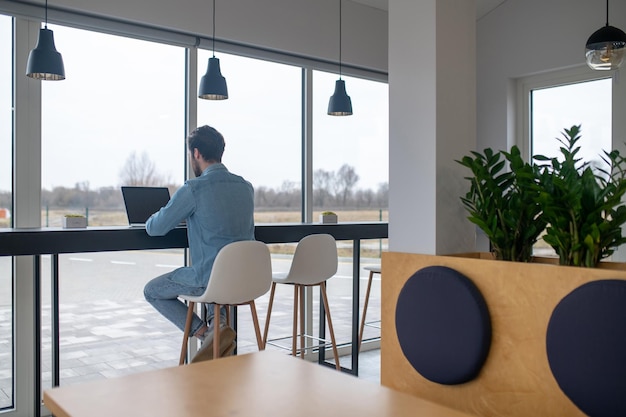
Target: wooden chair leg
{"x": 257, "y": 329}
{"x": 269, "y": 314}
{"x": 302, "y": 342}
{"x": 183, "y": 349}
{"x": 367, "y": 298}
{"x": 295, "y": 320}
{"x": 216, "y": 334}
{"x": 330, "y": 325}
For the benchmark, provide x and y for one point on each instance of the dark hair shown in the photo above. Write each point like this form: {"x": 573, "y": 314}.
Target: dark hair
{"x": 208, "y": 141}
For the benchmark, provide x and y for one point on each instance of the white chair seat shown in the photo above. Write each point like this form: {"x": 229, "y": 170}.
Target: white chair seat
{"x": 242, "y": 272}
{"x": 314, "y": 261}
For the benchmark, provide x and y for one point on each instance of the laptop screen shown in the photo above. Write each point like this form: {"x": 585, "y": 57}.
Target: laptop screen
{"x": 142, "y": 202}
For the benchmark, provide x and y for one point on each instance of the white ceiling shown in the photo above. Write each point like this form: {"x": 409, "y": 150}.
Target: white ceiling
{"x": 482, "y": 6}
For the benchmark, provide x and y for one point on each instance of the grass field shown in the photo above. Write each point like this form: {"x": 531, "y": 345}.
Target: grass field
{"x": 52, "y": 218}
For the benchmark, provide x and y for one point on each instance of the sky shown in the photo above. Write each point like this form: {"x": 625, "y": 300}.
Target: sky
{"x": 587, "y": 104}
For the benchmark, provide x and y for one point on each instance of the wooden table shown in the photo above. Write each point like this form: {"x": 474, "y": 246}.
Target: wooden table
{"x": 258, "y": 384}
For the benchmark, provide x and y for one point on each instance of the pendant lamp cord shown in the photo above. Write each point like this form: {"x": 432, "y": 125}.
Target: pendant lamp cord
{"x": 46, "y": 19}
{"x": 607, "y": 12}
{"x": 340, "y": 39}
{"x": 214, "y": 28}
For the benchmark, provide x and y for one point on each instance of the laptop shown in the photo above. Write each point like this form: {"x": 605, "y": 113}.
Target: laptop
{"x": 142, "y": 202}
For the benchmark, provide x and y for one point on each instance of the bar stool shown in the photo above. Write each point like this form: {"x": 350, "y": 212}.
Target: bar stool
{"x": 242, "y": 272}
{"x": 374, "y": 269}
{"x": 314, "y": 262}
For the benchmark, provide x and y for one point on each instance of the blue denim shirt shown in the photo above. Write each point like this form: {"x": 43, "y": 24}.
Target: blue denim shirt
{"x": 219, "y": 209}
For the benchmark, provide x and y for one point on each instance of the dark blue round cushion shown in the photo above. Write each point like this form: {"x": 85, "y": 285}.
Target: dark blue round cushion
{"x": 586, "y": 347}
{"x": 443, "y": 325}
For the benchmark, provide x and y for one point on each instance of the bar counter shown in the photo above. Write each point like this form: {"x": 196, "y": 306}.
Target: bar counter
{"x": 51, "y": 240}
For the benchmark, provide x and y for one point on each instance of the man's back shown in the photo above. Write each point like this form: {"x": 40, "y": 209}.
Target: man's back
{"x": 224, "y": 214}
{"x": 219, "y": 209}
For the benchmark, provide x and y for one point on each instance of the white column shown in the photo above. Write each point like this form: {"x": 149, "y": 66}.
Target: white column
{"x": 432, "y": 122}
{"x": 26, "y": 207}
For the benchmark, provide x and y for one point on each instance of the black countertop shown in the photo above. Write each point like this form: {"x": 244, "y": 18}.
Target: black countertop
{"x": 50, "y": 240}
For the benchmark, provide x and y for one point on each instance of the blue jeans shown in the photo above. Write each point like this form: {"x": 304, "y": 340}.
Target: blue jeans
{"x": 162, "y": 292}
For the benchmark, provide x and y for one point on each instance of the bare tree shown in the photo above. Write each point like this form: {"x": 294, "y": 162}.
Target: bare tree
{"x": 346, "y": 179}
{"x": 289, "y": 193}
{"x": 382, "y": 195}
{"x": 141, "y": 170}
{"x": 322, "y": 181}
{"x": 6, "y": 199}
{"x": 364, "y": 198}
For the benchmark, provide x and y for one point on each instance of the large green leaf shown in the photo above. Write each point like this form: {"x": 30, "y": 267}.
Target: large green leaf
{"x": 502, "y": 203}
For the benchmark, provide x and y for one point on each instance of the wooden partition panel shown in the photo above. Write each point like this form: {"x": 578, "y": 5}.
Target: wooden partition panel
{"x": 516, "y": 379}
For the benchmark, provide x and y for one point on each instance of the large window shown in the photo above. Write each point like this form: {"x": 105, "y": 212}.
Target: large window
{"x": 261, "y": 124}
{"x": 554, "y": 102}
{"x": 556, "y": 108}
{"x": 351, "y": 178}
{"x": 351, "y": 153}
{"x": 6, "y": 165}
{"x": 549, "y": 103}
{"x": 117, "y": 119}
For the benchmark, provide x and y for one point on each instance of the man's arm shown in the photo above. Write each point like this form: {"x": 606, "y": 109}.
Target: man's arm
{"x": 180, "y": 207}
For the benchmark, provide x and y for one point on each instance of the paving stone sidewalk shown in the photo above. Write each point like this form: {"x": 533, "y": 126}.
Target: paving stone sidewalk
{"x": 107, "y": 338}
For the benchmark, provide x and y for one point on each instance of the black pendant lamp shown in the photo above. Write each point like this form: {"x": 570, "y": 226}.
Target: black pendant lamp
{"x": 44, "y": 62}
{"x": 340, "y": 103}
{"x": 213, "y": 84}
{"x": 606, "y": 47}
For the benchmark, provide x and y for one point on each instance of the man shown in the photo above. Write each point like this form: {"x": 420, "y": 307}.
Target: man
{"x": 219, "y": 209}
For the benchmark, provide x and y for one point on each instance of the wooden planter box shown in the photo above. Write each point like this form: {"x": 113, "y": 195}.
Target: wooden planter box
{"x": 516, "y": 380}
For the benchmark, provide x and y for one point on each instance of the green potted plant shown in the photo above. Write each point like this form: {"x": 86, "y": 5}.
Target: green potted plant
{"x": 503, "y": 202}
{"x": 328, "y": 217}
{"x": 581, "y": 204}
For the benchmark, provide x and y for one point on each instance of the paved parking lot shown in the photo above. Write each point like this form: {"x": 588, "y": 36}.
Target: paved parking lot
{"x": 108, "y": 330}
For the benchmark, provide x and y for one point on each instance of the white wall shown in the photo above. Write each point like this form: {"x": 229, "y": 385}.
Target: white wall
{"x": 526, "y": 37}
{"x": 301, "y": 27}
